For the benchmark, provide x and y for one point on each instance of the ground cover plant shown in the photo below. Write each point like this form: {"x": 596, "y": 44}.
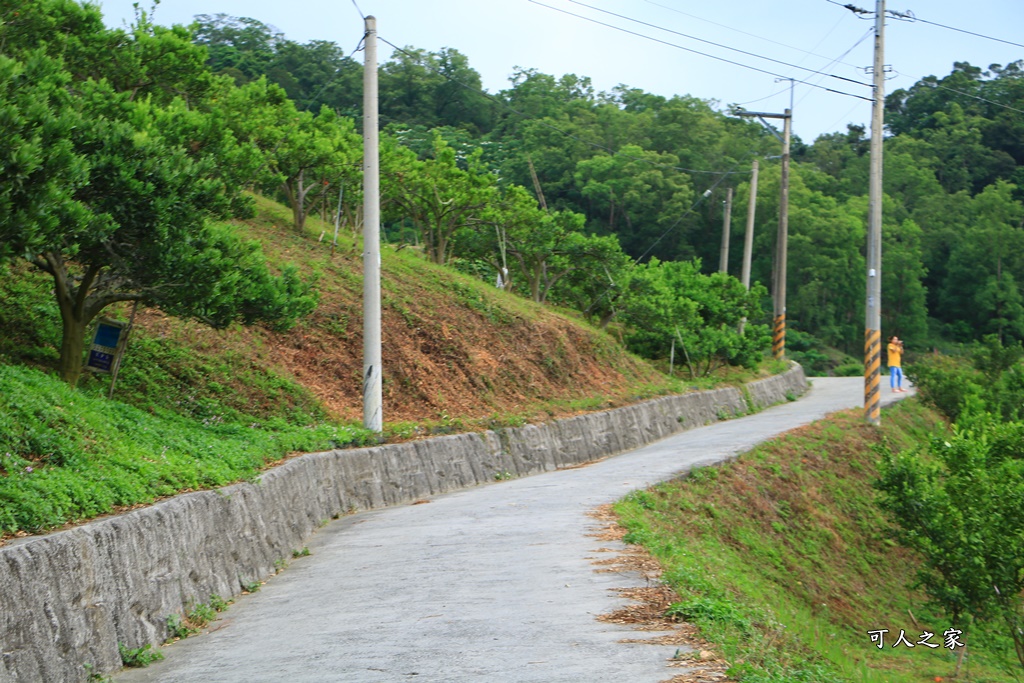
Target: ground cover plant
{"x": 786, "y": 562}
{"x": 197, "y": 408}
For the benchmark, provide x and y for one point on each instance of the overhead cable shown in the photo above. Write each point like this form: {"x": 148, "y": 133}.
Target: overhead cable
{"x": 725, "y": 47}
{"x": 752, "y": 35}
{"x": 910, "y": 16}
{"x": 687, "y": 49}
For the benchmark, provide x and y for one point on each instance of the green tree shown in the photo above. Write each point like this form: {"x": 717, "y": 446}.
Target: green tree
{"x": 672, "y": 300}
{"x": 904, "y": 306}
{"x": 958, "y": 505}
{"x": 112, "y": 212}
{"x": 437, "y": 196}
{"x": 637, "y": 195}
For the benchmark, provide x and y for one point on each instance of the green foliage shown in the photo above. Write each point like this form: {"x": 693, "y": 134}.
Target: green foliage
{"x": 139, "y": 657}
{"x": 672, "y": 300}
{"x": 66, "y": 455}
{"x": 959, "y": 506}
{"x": 704, "y": 610}
{"x": 178, "y": 628}
{"x": 100, "y": 199}
{"x": 946, "y": 383}
{"x": 777, "y": 558}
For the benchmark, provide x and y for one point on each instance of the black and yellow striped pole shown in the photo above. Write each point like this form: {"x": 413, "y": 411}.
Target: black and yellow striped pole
{"x": 779, "y": 337}
{"x": 873, "y": 310}
{"x": 872, "y": 375}
{"x": 781, "y": 242}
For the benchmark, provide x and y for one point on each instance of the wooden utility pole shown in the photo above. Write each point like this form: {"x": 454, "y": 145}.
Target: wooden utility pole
{"x": 873, "y": 310}
{"x": 373, "y": 418}
{"x": 723, "y": 259}
{"x": 782, "y": 239}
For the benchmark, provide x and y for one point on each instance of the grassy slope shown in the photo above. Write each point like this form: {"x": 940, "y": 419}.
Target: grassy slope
{"x": 784, "y": 560}
{"x": 196, "y": 407}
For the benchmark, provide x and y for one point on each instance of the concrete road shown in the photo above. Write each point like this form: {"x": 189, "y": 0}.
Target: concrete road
{"x": 489, "y": 584}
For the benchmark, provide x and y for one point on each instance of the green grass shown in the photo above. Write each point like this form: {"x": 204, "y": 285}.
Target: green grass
{"x": 785, "y": 562}
{"x": 66, "y": 455}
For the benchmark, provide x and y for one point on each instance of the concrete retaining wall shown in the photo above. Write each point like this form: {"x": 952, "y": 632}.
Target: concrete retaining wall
{"x": 67, "y": 599}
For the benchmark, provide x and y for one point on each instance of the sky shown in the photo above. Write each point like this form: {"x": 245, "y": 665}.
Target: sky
{"x": 805, "y": 35}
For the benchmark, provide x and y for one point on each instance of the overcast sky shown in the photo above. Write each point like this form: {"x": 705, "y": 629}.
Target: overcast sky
{"x": 498, "y": 35}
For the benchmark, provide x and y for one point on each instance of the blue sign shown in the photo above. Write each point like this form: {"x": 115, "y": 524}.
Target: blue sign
{"x": 106, "y": 345}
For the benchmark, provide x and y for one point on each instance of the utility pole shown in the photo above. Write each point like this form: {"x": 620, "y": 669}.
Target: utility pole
{"x": 782, "y": 239}
{"x": 373, "y": 399}
{"x": 782, "y": 245}
{"x": 723, "y": 260}
{"x": 748, "y": 236}
{"x": 873, "y": 310}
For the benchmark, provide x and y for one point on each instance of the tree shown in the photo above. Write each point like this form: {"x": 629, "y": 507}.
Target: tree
{"x": 672, "y": 300}
{"x": 980, "y": 293}
{"x": 958, "y": 505}
{"x": 113, "y": 212}
{"x": 637, "y": 195}
{"x": 435, "y": 194}
{"x": 315, "y": 151}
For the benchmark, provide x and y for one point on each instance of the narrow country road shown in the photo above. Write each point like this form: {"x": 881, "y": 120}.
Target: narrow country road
{"x": 488, "y": 584}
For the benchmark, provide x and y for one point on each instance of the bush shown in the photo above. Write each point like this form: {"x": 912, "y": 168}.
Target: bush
{"x": 946, "y": 383}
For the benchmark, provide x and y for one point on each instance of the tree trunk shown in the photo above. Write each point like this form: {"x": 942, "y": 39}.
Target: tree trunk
{"x": 72, "y": 349}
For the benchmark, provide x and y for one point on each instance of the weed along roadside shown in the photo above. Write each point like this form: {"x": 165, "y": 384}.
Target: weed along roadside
{"x": 114, "y": 582}
{"x": 786, "y": 563}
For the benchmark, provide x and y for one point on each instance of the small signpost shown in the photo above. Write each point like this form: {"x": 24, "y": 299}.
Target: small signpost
{"x": 107, "y": 348}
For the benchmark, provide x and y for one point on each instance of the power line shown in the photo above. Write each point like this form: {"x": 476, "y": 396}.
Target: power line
{"x": 687, "y": 49}
{"x": 354, "y": 4}
{"x": 711, "y": 42}
{"x": 545, "y": 123}
{"x": 851, "y": 49}
{"x": 858, "y": 12}
{"x": 752, "y": 35}
{"x": 967, "y": 94}
{"x": 910, "y": 16}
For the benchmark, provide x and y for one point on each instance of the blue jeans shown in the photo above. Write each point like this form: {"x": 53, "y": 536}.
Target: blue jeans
{"x": 895, "y": 377}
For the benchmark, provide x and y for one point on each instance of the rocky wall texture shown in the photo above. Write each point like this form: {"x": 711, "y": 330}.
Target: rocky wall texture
{"x": 68, "y": 598}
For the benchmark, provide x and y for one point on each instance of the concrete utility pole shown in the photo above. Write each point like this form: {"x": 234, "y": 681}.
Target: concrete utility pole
{"x": 748, "y": 237}
{"x": 873, "y": 310}
{"x": 782, "y": 239}
{"x": 373, "y": 417}
{"x": 782, "y": 246}
{"x": 723, "y": 260}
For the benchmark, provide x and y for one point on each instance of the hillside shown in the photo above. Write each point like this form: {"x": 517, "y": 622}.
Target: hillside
{"x": 454, "y": 347}
{"x": 785, "y": 562}
{"x": 196, "y": 407}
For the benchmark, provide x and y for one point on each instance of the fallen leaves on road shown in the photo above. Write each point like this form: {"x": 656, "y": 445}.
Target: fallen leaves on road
{"x": 646, "y": 612}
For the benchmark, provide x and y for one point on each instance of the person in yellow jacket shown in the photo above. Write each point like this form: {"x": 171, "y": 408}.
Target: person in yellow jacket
{"x": 895, "y": 349}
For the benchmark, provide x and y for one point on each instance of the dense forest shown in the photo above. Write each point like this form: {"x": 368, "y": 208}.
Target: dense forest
{"x": 633, "y": 165}
{"x": 609, "y": 203}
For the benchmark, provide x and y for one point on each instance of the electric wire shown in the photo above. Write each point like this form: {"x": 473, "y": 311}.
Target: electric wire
{"x": 545, "y": 124}
{"x": 752, "y": 35}
{"x": 687, "y": 49}
{"x": 967, "y": 94}
{"x": 911, "y": 17}
{"x": 711, "y": 42}
{"x": 356, "y": 5}
{"x": 857, "y": 11}
{"x": 837, "y": 59}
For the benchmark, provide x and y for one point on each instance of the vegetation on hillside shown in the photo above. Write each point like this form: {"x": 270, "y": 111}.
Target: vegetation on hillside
{"x": 635, "y": 165}
{"x": 786, "y": 562}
